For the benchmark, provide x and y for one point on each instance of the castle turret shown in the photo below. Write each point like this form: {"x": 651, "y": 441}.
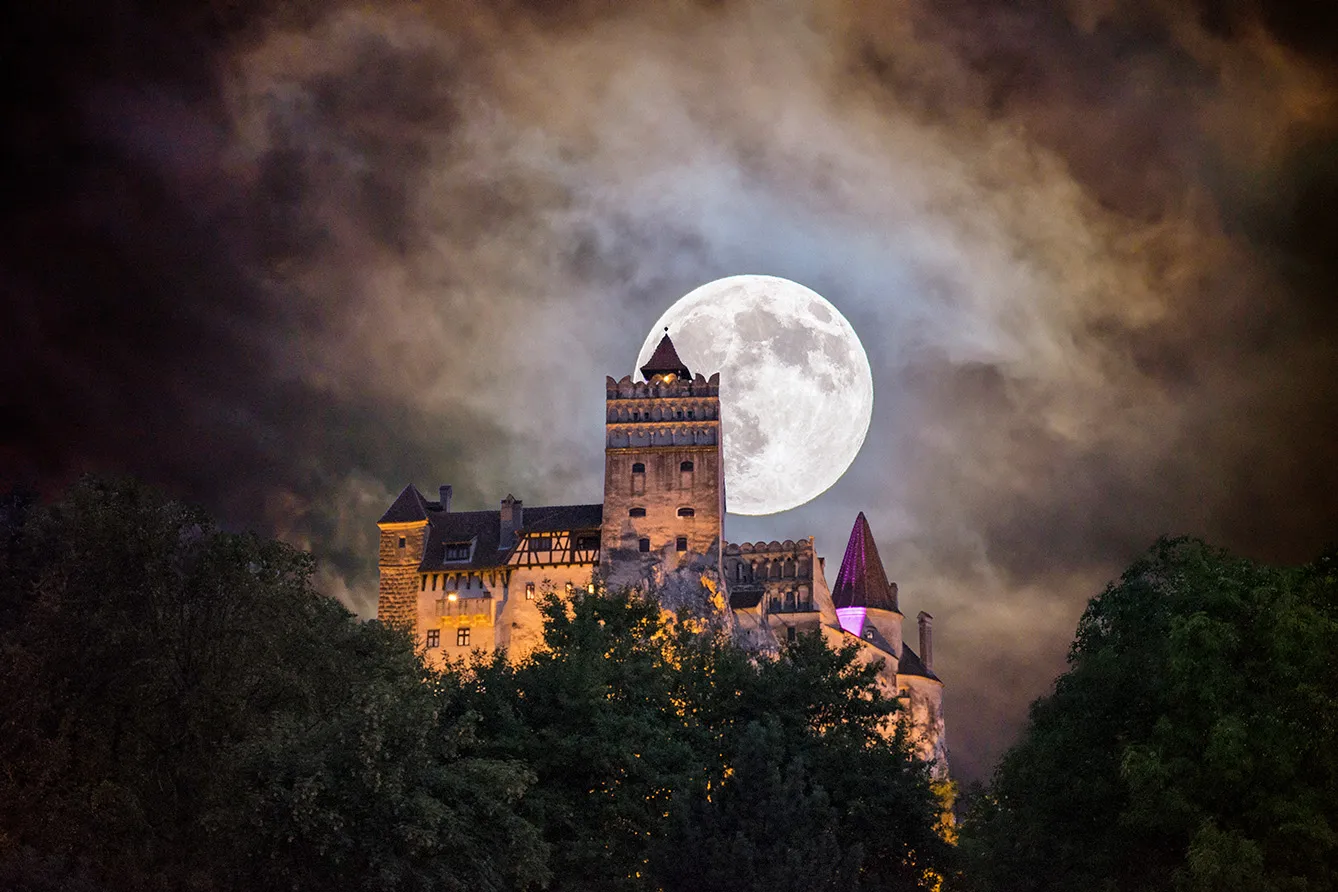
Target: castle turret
{"x": 403, "y": 540}
{"x": 664, "y": 476}
{"x": 866, "y": 603}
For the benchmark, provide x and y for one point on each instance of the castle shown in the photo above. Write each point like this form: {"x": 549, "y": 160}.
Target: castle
{"x": 466, "y": 580}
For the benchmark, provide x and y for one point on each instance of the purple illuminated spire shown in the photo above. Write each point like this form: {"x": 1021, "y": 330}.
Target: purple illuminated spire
{"x": 862, "y": 581}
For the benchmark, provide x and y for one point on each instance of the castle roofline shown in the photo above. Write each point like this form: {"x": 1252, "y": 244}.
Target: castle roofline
{"x": 409, "y": 507}
{"x": 665, "y": 361}
{"x": 862, "y": 581}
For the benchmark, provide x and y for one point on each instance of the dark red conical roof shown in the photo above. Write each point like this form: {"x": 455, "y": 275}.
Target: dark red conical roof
{"x": 665, "y": 360}
{"x": 862, "y": 581}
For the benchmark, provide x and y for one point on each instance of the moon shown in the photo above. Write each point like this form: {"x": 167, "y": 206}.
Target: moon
{"x": 796, "y": 390}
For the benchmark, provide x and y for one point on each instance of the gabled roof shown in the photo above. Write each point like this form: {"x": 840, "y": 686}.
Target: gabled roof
{"x": 483, "y": 529}
{"x": 862, "y": 581}
{"x": 408, "y": 508}
{"x": 665, "y": 359}
{"x": 911, "y": 664}
{"x": 555, "y": 518}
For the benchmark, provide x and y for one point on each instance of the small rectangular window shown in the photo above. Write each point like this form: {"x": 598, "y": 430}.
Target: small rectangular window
{"x": 643, "y": 545}
{"x": 570, "y": 588}
{"x": 462, "y": 637}
{"x": 529, "y": 591}
{"x": 791, "y": 633}
{"x": 682, "y": 543}
{"x": 636, "y": 512}
{"x": 403, "y": 541}
{"x": 638, "y": 467}
{"x": 687, "y": 512}
{"x": 433, "y": 638}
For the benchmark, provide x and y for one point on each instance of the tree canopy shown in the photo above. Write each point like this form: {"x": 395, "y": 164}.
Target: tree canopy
{"x": 179, "y": 709}
{"x": 1192, "y": 744}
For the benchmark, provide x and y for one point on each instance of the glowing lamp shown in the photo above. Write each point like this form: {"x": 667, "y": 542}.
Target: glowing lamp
{"x": 452, "y": 597}
{"x": 852, "y": 619}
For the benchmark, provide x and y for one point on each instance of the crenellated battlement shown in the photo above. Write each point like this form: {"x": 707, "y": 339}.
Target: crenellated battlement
{"x": 626, "y": 389}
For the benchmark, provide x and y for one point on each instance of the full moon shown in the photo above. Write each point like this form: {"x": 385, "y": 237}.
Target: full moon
{"x": 796, "y": 391}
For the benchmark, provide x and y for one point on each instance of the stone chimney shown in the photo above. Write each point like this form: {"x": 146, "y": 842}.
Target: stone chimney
{"x": 926, "y": 640}
{"x": 445, "y": 490}
{"x": 513, "y": 518}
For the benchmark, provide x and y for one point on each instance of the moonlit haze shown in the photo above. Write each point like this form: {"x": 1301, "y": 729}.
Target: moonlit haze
{"x": 283, "y": 259}
{"x": 796, "y": 392}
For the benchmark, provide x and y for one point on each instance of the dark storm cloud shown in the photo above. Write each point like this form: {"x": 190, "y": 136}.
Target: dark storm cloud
{"x": 287, "y": 259}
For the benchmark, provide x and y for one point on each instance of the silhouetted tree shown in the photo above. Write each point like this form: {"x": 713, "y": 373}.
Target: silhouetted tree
{"x": 1192, "y": 745}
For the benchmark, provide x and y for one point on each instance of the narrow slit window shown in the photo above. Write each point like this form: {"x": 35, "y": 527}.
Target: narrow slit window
{"x": 529, "y": 591}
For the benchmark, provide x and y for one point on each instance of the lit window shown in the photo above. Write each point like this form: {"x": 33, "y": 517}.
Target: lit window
{"x": 462, "y": 637}
{"x": 643, "y": 545}
{"x": 433, "y": 638}
{"x": 590, "y": 589}
{"x": 868, "y": 634}
{"x": 687, "y": 512}
{"x": 636, "y": 512}
{"x": 682, "y": 544}
{"x": 529, "y": 591}
{"x": 638, "y": 468}
{"x": 570, "y": 588}
{"x": 403, "y": 541}
{"x": 685, "y": 466}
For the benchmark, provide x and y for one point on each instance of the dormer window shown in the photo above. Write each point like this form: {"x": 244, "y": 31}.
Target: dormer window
{"x": 636, "y": 512}
{"x": 455, "y": 551}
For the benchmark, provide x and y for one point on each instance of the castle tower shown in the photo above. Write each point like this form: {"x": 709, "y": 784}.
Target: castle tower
{"x": 664, "y": 475}
{"x": 404, "y": 529}
{"x": 866, "y": 603}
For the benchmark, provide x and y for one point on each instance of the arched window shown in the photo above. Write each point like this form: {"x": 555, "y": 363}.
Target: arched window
{"x": 638, "y": 478}
{"x": 636, "y": 512}
{"x": 638, "y": 468}
{"x": 687, "y": 512}
{"x": 685, "y": 466}
{"x": 679, "y": 414}
{"x": 643, "y": 545}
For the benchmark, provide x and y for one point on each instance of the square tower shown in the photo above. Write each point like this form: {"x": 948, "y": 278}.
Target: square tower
{"x": 664, "y": 474}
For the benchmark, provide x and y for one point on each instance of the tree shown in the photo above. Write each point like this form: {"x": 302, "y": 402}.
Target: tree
{"x": 1191, "y": 745}
{"x": 667, "y": 757}
{"x": 178, "y": 708}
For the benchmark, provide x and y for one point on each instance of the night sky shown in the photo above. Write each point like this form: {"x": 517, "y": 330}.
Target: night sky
{"x": 282, "y": 259}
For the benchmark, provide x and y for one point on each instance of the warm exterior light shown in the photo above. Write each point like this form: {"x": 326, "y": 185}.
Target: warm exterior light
{"x": 452, "y": 597}
{"x": 852, "y": 619}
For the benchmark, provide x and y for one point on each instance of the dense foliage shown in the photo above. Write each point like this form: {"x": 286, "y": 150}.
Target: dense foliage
{"x": 179, "y": 710}
{"x": 1192, "y": 745}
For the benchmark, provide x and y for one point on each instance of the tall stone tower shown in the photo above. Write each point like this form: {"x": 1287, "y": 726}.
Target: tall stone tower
{"x": 664, "y": 475}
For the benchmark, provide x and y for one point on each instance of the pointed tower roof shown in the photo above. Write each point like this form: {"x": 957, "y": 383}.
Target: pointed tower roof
{"x": 862, "y": 581}
{"x": 410, "y": 507}
{"x": 665, "y": 360}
